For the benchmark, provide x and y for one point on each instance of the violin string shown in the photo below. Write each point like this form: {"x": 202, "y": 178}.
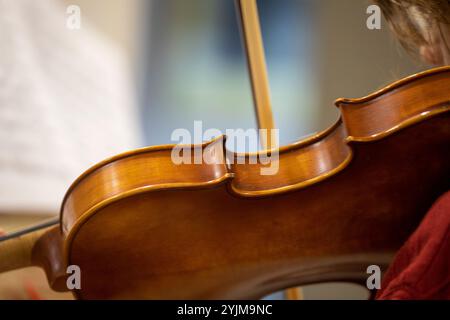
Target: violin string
{"x": 22, "y": 232}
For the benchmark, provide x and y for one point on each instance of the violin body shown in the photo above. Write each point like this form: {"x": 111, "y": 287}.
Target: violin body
{"x": 141, "y": 227}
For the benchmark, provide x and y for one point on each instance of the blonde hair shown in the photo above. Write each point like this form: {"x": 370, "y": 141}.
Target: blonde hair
{"x": 414, "y": 20}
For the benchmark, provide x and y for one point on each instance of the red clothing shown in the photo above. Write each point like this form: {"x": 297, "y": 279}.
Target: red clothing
{"x": 421, "y": 269}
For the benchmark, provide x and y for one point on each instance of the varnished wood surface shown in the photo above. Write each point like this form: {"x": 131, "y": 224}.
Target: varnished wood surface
{"x": 210, "y": 244}
{"x": 342, "y": 200}
{"x": 148, "y": 168}
{"x": 400, "y": 104}
{"x": 141, "y": 227}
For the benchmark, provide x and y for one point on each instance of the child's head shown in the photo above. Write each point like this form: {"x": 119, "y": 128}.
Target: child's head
{"x": 422, "y": 26}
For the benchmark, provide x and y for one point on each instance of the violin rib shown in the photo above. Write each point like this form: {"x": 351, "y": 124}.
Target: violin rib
{"x": 341, "y": 200}
{"x": 397, "y": 106}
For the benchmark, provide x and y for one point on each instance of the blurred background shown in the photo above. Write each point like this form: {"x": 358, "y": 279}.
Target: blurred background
{"x": 136, "y": 70}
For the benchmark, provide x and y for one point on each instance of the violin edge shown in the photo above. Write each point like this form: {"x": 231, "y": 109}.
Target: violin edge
{"x": 230, "y": 175}
{"x": 302, "y": 142}
{"x": 392, "y": 86}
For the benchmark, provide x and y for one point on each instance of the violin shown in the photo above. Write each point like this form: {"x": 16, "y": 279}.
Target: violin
{"x": 142, "y": 227}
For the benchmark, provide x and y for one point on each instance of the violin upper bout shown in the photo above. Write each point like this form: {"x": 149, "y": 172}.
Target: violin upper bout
{"x": 397, "y": 106}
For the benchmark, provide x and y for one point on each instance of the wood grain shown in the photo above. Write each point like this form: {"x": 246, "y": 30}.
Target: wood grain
{"x": 140, "y": 227}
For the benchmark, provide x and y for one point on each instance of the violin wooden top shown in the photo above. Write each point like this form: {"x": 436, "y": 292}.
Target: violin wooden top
{"x": 140, "y": 226}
